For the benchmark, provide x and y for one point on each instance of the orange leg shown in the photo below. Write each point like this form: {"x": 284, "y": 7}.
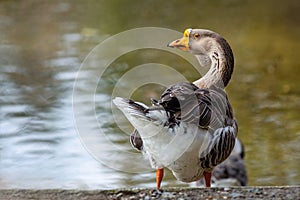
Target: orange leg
{"x": 207, "y": 177}
{"x": 159, "y": 177}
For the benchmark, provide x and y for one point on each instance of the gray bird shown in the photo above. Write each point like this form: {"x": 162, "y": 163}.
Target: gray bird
{"x": 191, "y": 128}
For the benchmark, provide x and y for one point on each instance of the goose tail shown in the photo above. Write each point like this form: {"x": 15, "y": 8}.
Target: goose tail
{"x": 138, "y": 113}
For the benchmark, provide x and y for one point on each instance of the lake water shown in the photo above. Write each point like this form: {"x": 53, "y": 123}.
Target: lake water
{"x": 62, "y": 61}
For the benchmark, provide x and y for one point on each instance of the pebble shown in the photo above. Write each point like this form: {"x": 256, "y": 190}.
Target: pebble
{"x": 287, "y": 192}
{"x": 119, "y": 195}
{"x": 147, "y": 197}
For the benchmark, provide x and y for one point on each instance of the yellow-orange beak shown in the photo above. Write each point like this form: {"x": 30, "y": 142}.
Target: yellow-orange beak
{"x": 183, "y": 43}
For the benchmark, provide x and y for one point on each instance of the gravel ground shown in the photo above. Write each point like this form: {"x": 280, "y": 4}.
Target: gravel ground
{"x": 287, "y": 192}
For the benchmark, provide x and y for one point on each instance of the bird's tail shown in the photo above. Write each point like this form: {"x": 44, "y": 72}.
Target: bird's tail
{"x": 129, "y": 107}
{"x": 139, "y": 114}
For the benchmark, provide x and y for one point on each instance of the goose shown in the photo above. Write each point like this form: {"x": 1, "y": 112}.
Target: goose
{"x": 191, "y": 128}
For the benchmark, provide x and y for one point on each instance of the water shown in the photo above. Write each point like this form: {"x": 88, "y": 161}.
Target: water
{"x": 43, "y": 44}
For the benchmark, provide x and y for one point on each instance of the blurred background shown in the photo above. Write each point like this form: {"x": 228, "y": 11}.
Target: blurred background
{"x": 43, "y": 43}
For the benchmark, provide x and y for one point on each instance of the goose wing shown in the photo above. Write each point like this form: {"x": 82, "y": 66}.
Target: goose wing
{"x": 185, "y": 102}
{"x": 209, "y": 108}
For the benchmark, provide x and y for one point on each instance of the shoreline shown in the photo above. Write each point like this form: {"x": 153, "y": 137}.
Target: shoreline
{"x": 258, "y": 192}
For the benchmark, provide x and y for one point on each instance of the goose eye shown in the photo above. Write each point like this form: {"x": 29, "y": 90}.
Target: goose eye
{"x": 196, "y": 35}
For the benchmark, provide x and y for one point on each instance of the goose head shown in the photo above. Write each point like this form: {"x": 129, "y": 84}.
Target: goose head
{"x": 211, "y": 50}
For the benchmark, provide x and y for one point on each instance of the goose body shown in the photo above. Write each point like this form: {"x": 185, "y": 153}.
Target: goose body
{"x": 191, "y": 128}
